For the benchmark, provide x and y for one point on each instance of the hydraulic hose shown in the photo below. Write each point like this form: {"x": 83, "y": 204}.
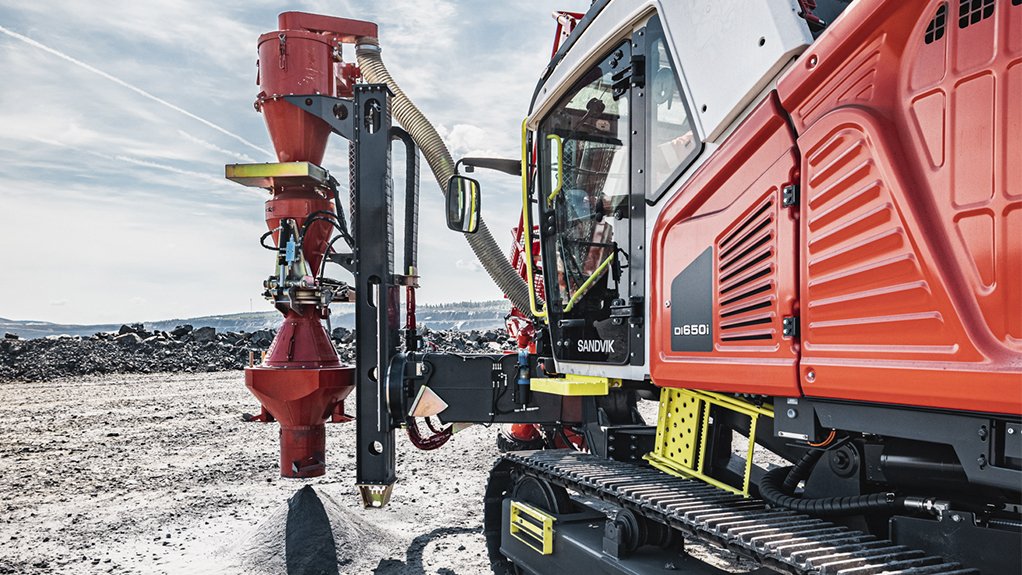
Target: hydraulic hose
{"x": 777, "y": 486}
{"x": 438, "y": 157}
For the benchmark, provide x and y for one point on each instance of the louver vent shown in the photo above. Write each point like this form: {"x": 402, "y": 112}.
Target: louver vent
{"x": 745, "y": 275}
{"x": 973, "y": 11}
{"x": 935, "y": 30}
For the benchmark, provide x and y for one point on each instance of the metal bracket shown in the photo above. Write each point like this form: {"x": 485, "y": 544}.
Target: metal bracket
{"x": 336, "y": 112}
{"x": 789, "y": 326}
{"x": 790, "y": 195}
{"x": 345, "y": 260}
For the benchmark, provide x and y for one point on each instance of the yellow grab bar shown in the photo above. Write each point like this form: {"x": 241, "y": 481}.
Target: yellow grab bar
{"x": 582, "y": 289}
{"x": 527, "y": 227}
{"x": 560, "y": 168}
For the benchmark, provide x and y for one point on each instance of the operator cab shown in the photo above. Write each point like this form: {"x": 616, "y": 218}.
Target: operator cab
{"x": 622, "y": 117}
{"x": 614, "y": 139}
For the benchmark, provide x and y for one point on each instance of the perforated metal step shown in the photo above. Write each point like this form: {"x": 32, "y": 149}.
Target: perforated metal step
{"x": 782, "y": 540}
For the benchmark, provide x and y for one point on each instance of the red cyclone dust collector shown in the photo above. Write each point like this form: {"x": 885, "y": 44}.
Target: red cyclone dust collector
{"x": 301, "y": 381}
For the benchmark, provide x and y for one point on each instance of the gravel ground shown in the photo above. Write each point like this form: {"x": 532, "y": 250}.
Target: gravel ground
{"x": 158, "y": 474}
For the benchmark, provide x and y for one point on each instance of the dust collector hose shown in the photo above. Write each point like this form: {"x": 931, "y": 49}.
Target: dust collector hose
{"x": 494, "y": 260}
{"x": 777, "y": 486}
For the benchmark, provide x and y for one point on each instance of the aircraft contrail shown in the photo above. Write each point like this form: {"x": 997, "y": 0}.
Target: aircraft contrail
{"x": 216, "y": 148}
{"x": 135, "y": 89}
{"x": 148, "y": 164}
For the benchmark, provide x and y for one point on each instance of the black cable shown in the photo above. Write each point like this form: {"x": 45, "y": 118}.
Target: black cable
{"x": 494, "y": 410}
{"x": 801, "y": 470}
{"x": 322, "y": 262}
{"x": 262, "y": 240}
{"x": 335, "y": 187}
{"x": 777, "y": 488}
{"x": 333, "y": 222}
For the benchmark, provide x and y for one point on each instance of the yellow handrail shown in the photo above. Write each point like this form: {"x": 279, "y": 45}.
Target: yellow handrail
{"x": 560, "y": 168}
{"x": 527, "y": 227}
{"x": 582, "y": 289}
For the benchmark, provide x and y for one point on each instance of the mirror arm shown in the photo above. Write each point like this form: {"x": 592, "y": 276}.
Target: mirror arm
{"x": 510, "y": 167}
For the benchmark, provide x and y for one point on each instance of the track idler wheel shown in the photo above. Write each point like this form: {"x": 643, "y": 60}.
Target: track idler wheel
{"x": 627, "y": 531}
{"x": 506, "y": 481}
{"x": 542, "y": 495}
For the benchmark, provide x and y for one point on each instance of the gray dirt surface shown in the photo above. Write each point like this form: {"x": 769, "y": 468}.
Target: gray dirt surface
{"x": 158, "y": 474}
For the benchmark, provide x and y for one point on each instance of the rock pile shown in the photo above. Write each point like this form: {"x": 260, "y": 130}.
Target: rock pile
{"x": 134, "y": 349}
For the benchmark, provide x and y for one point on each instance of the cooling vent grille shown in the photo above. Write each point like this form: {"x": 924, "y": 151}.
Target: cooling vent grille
{"x": 973, "y": 11}
{"x": 746, "y": 266}
{"x": 935, "y": 31}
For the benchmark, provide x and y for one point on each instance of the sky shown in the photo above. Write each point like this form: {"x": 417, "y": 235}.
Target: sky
{"x": 116, "y": 120}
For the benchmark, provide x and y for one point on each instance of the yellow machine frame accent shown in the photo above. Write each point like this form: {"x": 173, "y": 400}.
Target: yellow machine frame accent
{"x": 683, "y": 425}
{"x": 269, "y": 174}
{"x": 574, "y": 385}
{"x": 532, "y": 527}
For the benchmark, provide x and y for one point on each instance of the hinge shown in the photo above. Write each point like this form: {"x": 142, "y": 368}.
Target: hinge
{"x": 789, "y": 195}
{"x": 631, "y": 310}
{"x": 789, "y": 327}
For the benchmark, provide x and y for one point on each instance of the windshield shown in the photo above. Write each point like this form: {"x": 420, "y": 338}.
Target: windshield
{"x": 586, "y": 141}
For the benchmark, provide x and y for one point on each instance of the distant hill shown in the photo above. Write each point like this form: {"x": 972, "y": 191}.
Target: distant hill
{"x": 465, "y": 316}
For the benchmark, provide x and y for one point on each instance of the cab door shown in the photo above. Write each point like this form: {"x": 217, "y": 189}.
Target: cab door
{"x": 585, "y": 215}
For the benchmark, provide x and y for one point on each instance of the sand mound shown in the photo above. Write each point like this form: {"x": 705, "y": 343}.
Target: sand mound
{"x": 313, "y": 535}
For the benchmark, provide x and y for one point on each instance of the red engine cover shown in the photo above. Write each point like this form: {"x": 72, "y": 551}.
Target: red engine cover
{"x": 904, "y": 260}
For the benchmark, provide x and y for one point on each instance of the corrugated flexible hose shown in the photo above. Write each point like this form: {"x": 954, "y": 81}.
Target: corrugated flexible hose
{"x": 777, "y": 487}
{"x": 438, "y": 157}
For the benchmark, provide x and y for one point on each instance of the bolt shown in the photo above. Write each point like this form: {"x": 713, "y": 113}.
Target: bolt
{"x": 1011, "y": 431}
{"x": 981, "y": 461}
{"x": 810, "y": 376}
{"x": 792, "y": 414}
{"x": 982, "y": 432}
{"x": 841, "y": 459}
{"x": 956, "y": 518}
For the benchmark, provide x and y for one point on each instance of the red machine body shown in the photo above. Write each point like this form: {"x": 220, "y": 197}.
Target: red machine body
{"x": 902, "y": 265}
{"x": 301, "y": 381}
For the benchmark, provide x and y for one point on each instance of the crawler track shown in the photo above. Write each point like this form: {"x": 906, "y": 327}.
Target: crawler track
{"x": 782, "y": 540}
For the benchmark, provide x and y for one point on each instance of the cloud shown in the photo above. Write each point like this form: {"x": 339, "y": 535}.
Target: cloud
{"x": 133, "y": 88}
{"x": 93, "y": 155}
{"x": 468, "y": 265}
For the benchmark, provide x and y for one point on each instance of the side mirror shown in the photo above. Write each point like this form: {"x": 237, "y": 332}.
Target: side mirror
{"x": 463, "y": 204}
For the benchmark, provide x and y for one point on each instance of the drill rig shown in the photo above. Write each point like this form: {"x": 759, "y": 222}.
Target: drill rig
{"x": 793, "y": 224}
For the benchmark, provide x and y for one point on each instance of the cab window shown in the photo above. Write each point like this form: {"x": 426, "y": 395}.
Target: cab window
{"x": 672, "y": 142}
{"x": 586, "y": 142}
